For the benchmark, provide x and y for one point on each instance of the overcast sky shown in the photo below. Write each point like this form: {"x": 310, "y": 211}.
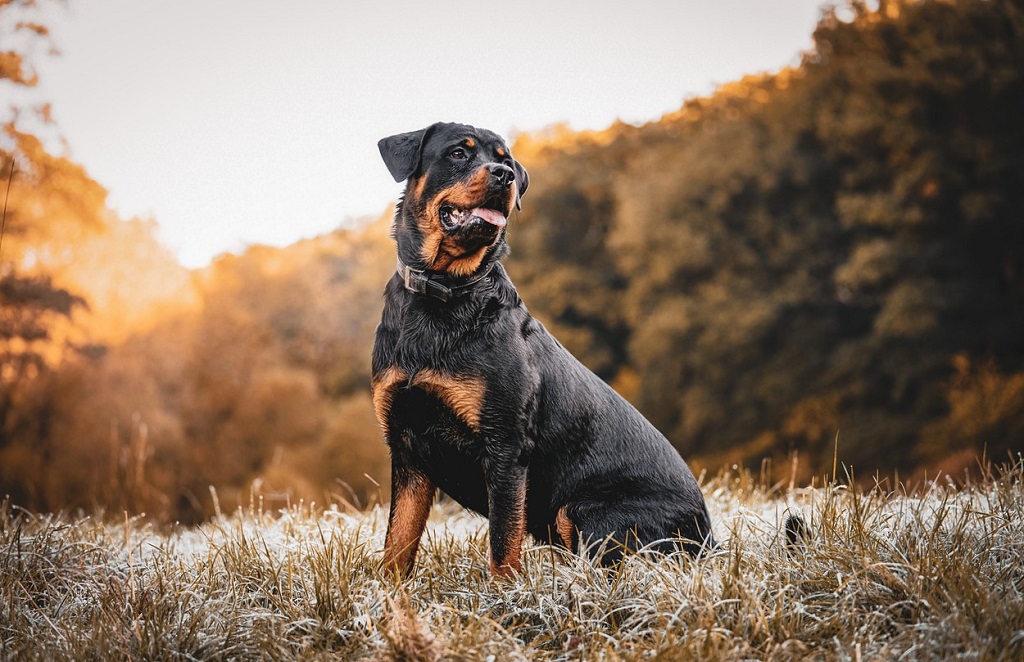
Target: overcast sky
{"x": 234, "y": 122}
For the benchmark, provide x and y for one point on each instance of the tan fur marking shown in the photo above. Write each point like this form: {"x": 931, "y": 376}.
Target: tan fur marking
{"x": 465, "y": 194}
{"x": 383, "y": 390}
{"x": 409, "y": 512}
{"x": 415, "y": 189}
{"x": 470, "y": 143}
{"x": 564, "y": 527}
{"x": 463, "y": 393}
{"x": 463, "y": 265}
{"x": 501, "y": 152}
{"x": 432, "y": 239}
{"x": 438, "y": 251}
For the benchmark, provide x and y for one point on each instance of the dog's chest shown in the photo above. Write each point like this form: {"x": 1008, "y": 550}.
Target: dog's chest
{"x": 429, "y": 372}
{"x": 435, "y": 417}
{"x": 407, "y": 396}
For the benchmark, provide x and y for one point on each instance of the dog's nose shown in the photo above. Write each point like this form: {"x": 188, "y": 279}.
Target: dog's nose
{"x": 502, "y": 173}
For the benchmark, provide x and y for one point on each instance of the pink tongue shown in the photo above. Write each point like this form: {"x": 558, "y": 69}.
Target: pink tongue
{"x": 491, "y": 216}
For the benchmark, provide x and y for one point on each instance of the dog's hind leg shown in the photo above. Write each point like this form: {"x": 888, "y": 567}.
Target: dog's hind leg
{"x": 609, "y": 530}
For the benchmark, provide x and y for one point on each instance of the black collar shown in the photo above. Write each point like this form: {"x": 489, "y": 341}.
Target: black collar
{"x": 437, "y": 284}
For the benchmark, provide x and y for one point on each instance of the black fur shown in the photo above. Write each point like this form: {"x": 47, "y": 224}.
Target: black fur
{"x": 797, "y": 534}
{"x": 476, "y": 397}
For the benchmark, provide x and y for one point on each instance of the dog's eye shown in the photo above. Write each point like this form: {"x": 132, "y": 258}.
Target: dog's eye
{"x": 457, "y": 153}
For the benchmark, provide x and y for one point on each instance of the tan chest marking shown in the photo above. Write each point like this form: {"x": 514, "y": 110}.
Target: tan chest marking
{"x": 464, "y": 394}
{"x": 383, "y": 390}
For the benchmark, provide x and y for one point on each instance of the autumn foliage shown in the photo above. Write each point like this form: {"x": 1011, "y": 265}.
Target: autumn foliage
{"x": 831, "y": 252}
{"x": 829, "y": 255}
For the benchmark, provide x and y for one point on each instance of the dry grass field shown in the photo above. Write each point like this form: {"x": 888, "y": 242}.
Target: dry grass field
{"x": 933, "y": 574}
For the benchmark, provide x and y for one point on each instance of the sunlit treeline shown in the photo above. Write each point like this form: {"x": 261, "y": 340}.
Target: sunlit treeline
{"x": 828, "y": 255}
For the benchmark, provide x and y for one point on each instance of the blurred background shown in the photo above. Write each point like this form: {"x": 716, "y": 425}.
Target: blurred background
{"x": 829, "y": 255}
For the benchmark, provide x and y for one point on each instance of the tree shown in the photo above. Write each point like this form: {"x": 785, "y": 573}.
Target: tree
{"x": 808, "y": 252}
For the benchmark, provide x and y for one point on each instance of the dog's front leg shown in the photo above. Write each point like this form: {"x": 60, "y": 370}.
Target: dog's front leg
{"x": 412, "y": 495}
{"x": 506, "y": 507}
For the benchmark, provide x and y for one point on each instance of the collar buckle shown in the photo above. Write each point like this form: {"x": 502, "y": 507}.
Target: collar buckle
{"x": 420, "y": 282}
{"x": 414, "y": 280}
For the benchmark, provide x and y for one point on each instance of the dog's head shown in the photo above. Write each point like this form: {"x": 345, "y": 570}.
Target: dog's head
{"x": 462, "y": 185}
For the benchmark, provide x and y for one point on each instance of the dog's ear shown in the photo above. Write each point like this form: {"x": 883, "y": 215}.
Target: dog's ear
{"x": 401, "y": 152}
{"x": 522, "y": 182}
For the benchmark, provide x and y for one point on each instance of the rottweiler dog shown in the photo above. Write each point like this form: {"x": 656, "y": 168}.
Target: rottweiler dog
{"x": 476, "y": 398}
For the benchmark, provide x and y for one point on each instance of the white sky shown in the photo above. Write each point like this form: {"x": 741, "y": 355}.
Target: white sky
{"x": 233, "y": 122}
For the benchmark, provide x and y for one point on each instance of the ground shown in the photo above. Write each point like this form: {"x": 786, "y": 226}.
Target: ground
{"x": 933, "y": 573}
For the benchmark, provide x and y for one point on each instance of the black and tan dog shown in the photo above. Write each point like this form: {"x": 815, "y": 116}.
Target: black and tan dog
{"x": 476, "y": 398}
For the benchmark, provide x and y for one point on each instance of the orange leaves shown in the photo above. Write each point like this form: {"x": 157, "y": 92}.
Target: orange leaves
{"x": 12, "y": 68}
